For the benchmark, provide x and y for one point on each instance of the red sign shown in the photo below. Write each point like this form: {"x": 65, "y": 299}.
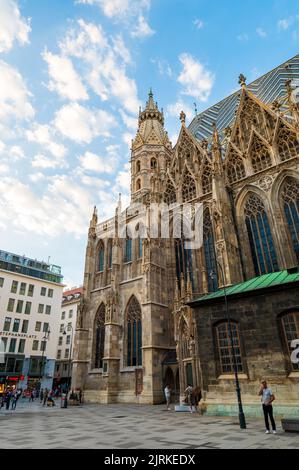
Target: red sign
{"x": 12, "y": 379}
{"x": 22, "y": 377}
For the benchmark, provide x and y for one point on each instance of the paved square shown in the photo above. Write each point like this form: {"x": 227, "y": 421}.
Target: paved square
{"x": 131, "y": 427}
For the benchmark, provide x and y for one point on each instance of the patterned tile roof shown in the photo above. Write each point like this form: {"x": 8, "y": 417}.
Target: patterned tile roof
{"x": 268, "y": 88}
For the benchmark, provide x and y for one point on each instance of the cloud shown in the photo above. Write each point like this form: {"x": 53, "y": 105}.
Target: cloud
{"x": 129, "y": 121}
{"x": 142, "y": 29}
{"x": 198, "y": 23}
{"x": 261, "y": 33}
{"x": 284, "y": 24}
{"x": 163, "y": 67}
{"x": 196, "y": 80}
{"x": 12, "y": 26}
{"x": 64, "y": 78}
{"x": 92, "y": 162}
{"x": 16, "y": 152}
{"x": 175, "y": 109}
{"x": 14, "y": 95}
{"x": 119, "y": 9}
{"x": 43, "y": 135}
{"x": 36, "y": 177}
{"x": 81, "y": 124}
{"x": 42, "y": 161}
{"x": 243, "y": 37}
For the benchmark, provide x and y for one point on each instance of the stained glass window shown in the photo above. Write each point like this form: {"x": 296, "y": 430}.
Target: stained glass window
{"x": 134, "y": 333}
{"x": 100, "y": 337}
{"x": 290, "y": 197}
{"x": 209, "y": 252}
{"x": 101, "y": 258}
{"x": 260, "y": 237}
{"x": 128, "y": 250}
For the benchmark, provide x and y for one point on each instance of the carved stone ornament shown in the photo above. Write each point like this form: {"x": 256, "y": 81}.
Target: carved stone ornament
{"x": 266, "y": 183}
{"x": 220, "y": 248}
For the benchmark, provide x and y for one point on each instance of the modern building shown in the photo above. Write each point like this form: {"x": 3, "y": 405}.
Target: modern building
{"x": 30, "y": 309}
{"x": 67, "y": 326}
{"x": 137, "y": 326}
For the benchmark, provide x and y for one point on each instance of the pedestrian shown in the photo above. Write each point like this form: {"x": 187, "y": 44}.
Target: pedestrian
{"x": 14, "y": 400}
{"x": 267, "y": 400}
{"x": 80, "y": 396}
{"x": 41, "y": 396}
{"x": 189, "y": 397}
{"x": 197, "y": 396}
{"x": 8, "y": 398}
{"x": 167, "y": 393}
{"x": 46, "y": 392}
{"x": 32, "y": 396}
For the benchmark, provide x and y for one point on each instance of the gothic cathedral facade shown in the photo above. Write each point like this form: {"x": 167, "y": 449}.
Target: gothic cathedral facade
{"x": 135, "y": 330}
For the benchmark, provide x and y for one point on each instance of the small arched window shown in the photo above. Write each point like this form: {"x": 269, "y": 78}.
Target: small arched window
{"x": 101, "y": 258}
{"x": 138, "y": 185}
{"x": 224, "y": 347}
{"x": 153, "y": 164}
{"x": 138, "y": 166}
{"x": 260, "y": 237}
{"x": 99, "y": 337}
{"x": 290, "y": 198}
{"x": 134, "y": 333}
{"x": 290, "y": 325}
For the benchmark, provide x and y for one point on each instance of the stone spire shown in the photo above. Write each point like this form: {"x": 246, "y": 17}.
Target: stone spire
{"x": 93, "y": 222}
{"x": 151, "y": 111}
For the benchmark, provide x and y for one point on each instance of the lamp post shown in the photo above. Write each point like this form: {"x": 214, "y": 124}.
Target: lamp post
{"x": 41, "y": 371}
{"x": 242, "y": 420}
{"x": 69, "y": 365}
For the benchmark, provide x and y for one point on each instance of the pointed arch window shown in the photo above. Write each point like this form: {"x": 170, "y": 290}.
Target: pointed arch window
{"x": 206, "y": 179}
{"x": 128, "y": 250}
{"x": 209, "y": 252}
{"x": 138, "y": 185}
{"x": 134, "y": 333}
{"x": 260, "y": 156}
{"x": 235, "y": 169}
{"x": 224, "y": 347}
{"x": 170, "y": 194}
{"x": 183, "y": 258}
{"x": 252, "y": 116}
{"x": 99, "y": 337}
{"x": 110, "y": 251}
{"x": 260, "y": 237}
{"x": 138, "y": 166}
{"x": 287, "y": 143}
{"x": 188, "y": 188}
{"x": 290, "y": 198}
{"x": 290, "y": 324}
{"x": 139, "y": 247}
{"x": 153, "y": 164}
{"x": 101, "y": 257}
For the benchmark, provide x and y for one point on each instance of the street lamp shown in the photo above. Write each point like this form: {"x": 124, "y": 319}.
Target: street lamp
{"x": 69, "y": 365}
{"x": 41, "y": 370}
{"x": 242, "y": 420}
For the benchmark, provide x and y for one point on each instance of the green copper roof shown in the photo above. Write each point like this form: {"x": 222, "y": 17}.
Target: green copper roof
{"x": 261, "y": 282}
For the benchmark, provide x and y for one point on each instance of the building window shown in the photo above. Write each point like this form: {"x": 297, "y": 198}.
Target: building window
{"x": 43, "y": 291}
{"x": 14, "y": 287}
{"x": 68, "y": 339}
{"x": 23, "y": 288}
{"x": 59, "y": 354}
{"x": 224, "y": 347}
{"x": 65, "y": 367}
{"x": 63, "y": 316}
{"x": 138, "y": 185}
{"x": 20, "y": 306}
{"x": 7, "y": 323}
{"x": 60, "y": 341}
{"x": 50, "y": 292}
{"x": 61, "y": 328}
{"x": 139, "y": 241}
{"x": 134, "y": 333}
{"x": 16, "y": 325}
{"x": 21, "y": 346}
{"x": 11, "y": 304}
{"x": 189, "y": 187}
{"x": 28, "y": 308}
{"x": 57, "y": 367}
{"x": 206, "y": 179}
{"x": 153, "y": 164}
{"x": 46, "y": 327}
{"x": 30, "y": 290}
{"x": 69, "y": 326}
{"x": 110, "y": 246}
{"x": 209, "y": 252}
{"x": 99, "y": 337}
{"x": 35, "y": 345}
{"x": 101, "y": 258}
{"x": 169, "y": 194}
{"x": 38, "y": 326}
{"x": 12, "y": 345}
{"x": 48, "y": 310}
{"x": 290, "y": 198}
{"x": 260, "y": 237}
{"x": 183, "y": 258}
{"x": 40, "y": 308}
{"x": 128, "y": 250}
{"x": 66, "y": 353}
{"x": 1, "y": 281}
{"x": 138, "y": 167}
{"x": 25, "y": 325}
{"x": 10, "y": 366}
{"x": 71, "y": 314}
{"x": 290, "y": 323}
{"x": 4, "y": 343}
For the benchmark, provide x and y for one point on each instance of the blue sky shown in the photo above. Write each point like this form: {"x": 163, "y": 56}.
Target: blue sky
{"x": 72, "y": 77}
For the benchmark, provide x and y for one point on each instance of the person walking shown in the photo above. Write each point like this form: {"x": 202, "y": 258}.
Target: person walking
{"x": 46, "y": 392}
{"x": 8, "y": 397}
{"x": 32, "y": 396}
{"x": 41, "y": 396}
{"x": 14, "y": 400}
{"x": 189, "y": 397}
{"x": 196, "y": 397}
{"x": 167, "y": 393}
{"x": 267, "y": 399}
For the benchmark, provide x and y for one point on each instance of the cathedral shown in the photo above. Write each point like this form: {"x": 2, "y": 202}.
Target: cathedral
{"x": 155, "y": 311}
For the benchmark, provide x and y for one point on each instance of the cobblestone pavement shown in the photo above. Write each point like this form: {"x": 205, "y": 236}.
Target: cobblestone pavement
{"x": 131, "y": 427}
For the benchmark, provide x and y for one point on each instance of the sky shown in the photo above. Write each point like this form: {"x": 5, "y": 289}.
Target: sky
{"x": 73, "y": 74}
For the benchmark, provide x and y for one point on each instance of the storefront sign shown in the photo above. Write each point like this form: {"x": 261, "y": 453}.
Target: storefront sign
{"x": 17, "y": 335}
